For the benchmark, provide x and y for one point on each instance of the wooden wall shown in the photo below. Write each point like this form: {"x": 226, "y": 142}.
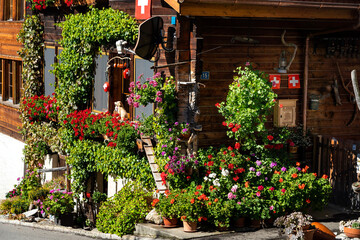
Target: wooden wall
{"x": 9, "y": 115}
{"x": 221, "y": 62}
{"x": 8, "y": 43}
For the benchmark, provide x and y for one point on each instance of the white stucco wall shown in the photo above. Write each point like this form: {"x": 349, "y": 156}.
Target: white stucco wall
{"x": 11, "y": 163}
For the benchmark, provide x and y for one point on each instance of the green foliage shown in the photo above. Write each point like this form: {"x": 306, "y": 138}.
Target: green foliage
{"x": 32, "y": 54}
{"x": 249, "y": 101}
{"x": 30, "y": 182}
{"x": 5, "y": 205}
{"x": 119, "y": 214}
{"x": 99, "y": 197}
{"x": 19, "y": 205}
{"x": 82, "y": 37}
{"x": 169, "y": 204}
{"x": 87, "y": 157}
{"x": 58, "y": 203}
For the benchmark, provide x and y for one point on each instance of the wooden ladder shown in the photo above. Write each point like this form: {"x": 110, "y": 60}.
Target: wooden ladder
{"x": 149, "y": 151}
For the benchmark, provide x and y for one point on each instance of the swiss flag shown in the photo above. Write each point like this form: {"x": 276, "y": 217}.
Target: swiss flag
{"x": 294, "y": 80}
{"x": 275, "y": 80}
{"x": 142, "y": 9}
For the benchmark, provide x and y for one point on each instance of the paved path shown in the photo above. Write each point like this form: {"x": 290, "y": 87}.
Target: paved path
{"x": 18, "y": 232}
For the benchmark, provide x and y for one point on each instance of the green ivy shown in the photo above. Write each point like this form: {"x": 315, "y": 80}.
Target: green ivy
{"x": 32, "y": 54}
{"x": 119, "y": 214}
{"x": 87, "y": 157}
{"x": 82, "y": 37}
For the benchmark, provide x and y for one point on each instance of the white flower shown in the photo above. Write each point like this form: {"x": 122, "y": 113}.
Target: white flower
{"x": 216, "y": 182}
{"x": 206, "y": 178}
{"x": 212, "y": 175}
{"x": 225, "y": 172}
{"x": 234, "y": 188}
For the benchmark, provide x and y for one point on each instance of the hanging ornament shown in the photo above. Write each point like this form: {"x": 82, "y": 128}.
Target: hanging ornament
{"x": 106, "y": 86}
{"x": 126, "y": 73}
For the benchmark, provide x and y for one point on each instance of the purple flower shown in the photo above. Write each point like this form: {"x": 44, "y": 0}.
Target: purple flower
{"x": 258, "y": 173}
{"x": 58, "y": 190}
{"x": 178, "y": 162}
{"x": 176, "y": 148}
{"x": 298, "y": 168}
{"x": 48, "y": 208}
{"x": 283, "y": 169}
{"x": 253, "y": 154}
{"x": 176, "y": 123}
{"x": 170, "y": 138}
{"x": 62, "y": 196}
{"x": 266, "y": 178}
{"x": 196, "y": 162}
{"x": 164, "y": 146}
{"x": 52, "y": 190}
{"x": 187, "y": 160}
{"x": 258, "y": 162}
{"x": 252, "y": 169}
{"x": 18, "y": 179}
{"x": 42, "y": 211}
{"x": 184, "y": 130}
{"x": 170, "y": 129}
{"x": 51, "y": 197}
{"x": 273, "y": 164}
{"x": 163, "y": 153}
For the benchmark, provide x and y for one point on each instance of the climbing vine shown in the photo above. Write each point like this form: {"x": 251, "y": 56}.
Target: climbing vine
{"x": 82, "y": 37}
{"x": 32, "y": 54}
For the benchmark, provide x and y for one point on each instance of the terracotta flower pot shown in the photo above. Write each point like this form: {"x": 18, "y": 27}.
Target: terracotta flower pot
{"x": 190, "y": 226}
{"x": 352, "y": 232}
{"x": 308, "y": 234}
{"x": 293, "y": 149}
{"x": 255, "y": 223}
{"x": 322, "y": 233}
{"x": 240, "y": 222}
{"x": 170, "y": 222}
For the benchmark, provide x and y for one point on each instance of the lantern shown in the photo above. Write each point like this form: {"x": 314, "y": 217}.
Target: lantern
{"x": 126, "y": 73}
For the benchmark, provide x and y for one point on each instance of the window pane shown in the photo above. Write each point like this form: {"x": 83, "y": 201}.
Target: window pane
{"x": 8, "y": 9}
{"x": 20, "y": 6}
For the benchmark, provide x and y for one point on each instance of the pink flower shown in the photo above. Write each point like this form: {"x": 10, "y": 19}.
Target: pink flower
{"x": 231, "y": 195}
{"x": 260, "y": 188}
{"x": 271, "y": 208}
{"x": 272, "y": 189}
{"x": 258, "y": 194}
{"x": 283, "y": 190}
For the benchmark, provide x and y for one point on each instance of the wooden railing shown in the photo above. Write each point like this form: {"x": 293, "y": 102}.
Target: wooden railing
{"x": 337, "y": 158}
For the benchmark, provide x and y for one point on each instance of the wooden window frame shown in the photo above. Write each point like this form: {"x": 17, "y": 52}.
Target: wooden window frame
{"x": 16, "y": 81}
{"x": 16, "y": 14}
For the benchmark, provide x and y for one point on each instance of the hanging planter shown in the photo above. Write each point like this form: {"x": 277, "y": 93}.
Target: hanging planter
{"x": 314, "y": 102}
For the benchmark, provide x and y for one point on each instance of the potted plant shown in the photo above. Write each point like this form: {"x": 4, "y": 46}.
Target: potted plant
{"x": 297, "y": 138}
{"x": 296, "y": 225}
{"x": 351, "y": 228}
{"x": 220, "y": 212}
{"x": 192, "y": 204}
{"x": 59, "y": 204}
{"x": 168, "y": 205}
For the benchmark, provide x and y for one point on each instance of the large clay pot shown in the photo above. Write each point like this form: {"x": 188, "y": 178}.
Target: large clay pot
{"x": 170, "y": 222}
{"x": 308, "y": 234}
{"x": 240, "y": 222}
{"x": 352, "y": 232}
{"x": 255, "y": 223}
{"x": 190, "y": 226}
{"x": 322, "y": 233}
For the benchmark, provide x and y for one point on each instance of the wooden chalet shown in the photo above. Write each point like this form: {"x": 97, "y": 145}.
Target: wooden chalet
{"x": 212, "y": 39}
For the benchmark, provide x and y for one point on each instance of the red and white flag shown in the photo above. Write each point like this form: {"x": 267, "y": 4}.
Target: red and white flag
{"x": 142, "y": 9}
{"x": 294, "y": 81}
{"x": 275, "y": 80}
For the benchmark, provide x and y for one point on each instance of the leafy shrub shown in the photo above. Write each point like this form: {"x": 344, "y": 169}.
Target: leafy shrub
{"x": 119, "y": 214}
{"x": 19, "y": 205}
{"x": 58, "y": 203}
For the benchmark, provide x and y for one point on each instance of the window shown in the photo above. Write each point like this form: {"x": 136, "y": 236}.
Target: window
{"x": 10, "y": 80}
{"x": 12, "y": 10}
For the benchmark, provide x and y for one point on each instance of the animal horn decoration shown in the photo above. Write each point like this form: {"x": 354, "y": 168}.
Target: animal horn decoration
{"x": 355, "y": 87}
{"x": 289, "y": 45}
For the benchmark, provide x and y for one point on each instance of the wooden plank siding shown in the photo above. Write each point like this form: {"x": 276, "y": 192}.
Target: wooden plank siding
{"x": 10, "y": 121}
{"x": 218, "y": 32}
{"x": 8, "y": 43}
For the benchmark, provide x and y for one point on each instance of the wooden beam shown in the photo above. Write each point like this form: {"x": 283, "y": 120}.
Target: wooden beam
{"x": 174, "y": 4}
{"x": 239, "y": 10}
{"x": 2, "y": 7}
{"x": 14, "y": 14}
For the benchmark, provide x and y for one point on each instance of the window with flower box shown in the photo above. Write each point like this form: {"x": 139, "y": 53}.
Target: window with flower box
{"x": 12, "y": 10}
{"x": 10, "y": 81}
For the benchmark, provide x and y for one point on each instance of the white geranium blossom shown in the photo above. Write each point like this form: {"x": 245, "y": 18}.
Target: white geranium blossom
{"x": 206, "y": 179}
{"x": 216, "y": 182}
{"x": 225, "y": 172}
{"x": 212, "y": 175}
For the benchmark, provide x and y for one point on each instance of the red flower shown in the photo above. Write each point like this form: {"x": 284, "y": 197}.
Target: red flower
{"x": 325, "y": 176}
{"x": 210, "y": 163}
{"x": 192, "y": 201}
{"x": 155, "y": 201}
{"x": 237, "y": 146}
{"x": 272, "y": 189}
{"x": 294, "y": 175}
{"x": 301, "y": 186}
{"x": 234, "y": 130}
{"x": 278, "y": 146}
{"x": 281, "y": 180}
{"x": 231, "y": 125}
{"x": 198, "y": 187}
{"x": 210, "y": 156}
{"x": 308, "y": 201}
{"x": 88, "y": 195}
{"x": 268, "y": 146}
{"x": 224, "y": 124}
{"x": 231, "y": 166}
{"x": 283, "y": 190}
{"x": 236, "y": 178}
{"x": 172, "y": 201}
{"x": 217, "y": 105}
{"x": 230, "y": 148}
{"x": 270, "y": 137}
{"x": 260, "y": 188}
